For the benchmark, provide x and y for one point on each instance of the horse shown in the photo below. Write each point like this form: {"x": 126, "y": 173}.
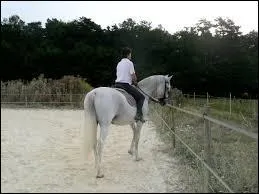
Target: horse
{"x": 107, "y": 105}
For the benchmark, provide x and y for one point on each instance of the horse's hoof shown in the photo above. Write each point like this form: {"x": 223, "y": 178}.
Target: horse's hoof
{"x": 130, "y": 152}
{"x": 100, "y": 176}
{"x": 139, "y": 159}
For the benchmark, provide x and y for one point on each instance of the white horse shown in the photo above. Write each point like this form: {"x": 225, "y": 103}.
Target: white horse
{"x": 106, "y": 106}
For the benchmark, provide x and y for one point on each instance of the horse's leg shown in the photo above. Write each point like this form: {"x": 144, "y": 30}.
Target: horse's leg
{"x": 133, "y": 139}
{"x": 145, "y": 110}
{"x": 95, "y": 154}
{"x": 100, "y": 144}
{"x": 137, "y": 134}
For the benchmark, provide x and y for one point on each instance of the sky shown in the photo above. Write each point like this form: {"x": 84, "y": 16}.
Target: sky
{"x": 172, "y": 15}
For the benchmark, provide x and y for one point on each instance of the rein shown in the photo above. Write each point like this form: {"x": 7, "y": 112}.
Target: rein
{"x": 152, "y": 98}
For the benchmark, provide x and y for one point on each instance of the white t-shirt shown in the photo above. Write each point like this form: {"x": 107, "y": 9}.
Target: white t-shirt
{"x": 124, "y": 70}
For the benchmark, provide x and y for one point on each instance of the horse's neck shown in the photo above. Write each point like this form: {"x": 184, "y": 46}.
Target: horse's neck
{"x": 148, "y": 86}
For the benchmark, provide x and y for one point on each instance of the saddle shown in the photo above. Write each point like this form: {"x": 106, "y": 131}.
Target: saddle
{"x": 130, "y": 98}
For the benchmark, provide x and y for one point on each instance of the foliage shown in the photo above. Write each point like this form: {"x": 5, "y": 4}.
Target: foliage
{"x": 212, "y": 56}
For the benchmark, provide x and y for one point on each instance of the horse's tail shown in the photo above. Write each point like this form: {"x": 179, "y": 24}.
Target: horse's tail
{"x": 90, "y": 124}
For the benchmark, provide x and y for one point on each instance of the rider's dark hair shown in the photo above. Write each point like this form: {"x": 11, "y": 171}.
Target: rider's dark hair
{"x": 125, "y": 52}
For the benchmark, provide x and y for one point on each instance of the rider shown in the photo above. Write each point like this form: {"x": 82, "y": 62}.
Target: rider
{"x": 126, "y": 77}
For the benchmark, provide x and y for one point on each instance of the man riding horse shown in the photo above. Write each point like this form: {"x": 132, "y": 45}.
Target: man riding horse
{"x": 126, "y": 77}
{"x": 104, "y": 106}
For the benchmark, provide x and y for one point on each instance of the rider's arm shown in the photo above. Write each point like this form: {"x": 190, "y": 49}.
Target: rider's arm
{"x": 133, "y": 74}
{"x": 134, "y": 79}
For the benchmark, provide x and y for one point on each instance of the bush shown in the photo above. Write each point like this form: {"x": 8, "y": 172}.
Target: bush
{"x": 177, "y": 97}
{"x": 66, "y": 89}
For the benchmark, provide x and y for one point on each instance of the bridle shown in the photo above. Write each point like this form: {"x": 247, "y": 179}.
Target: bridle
{"x": 160, "y": 100}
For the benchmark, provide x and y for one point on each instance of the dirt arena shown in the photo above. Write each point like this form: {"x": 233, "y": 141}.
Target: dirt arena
{"x": 41, "y": 152}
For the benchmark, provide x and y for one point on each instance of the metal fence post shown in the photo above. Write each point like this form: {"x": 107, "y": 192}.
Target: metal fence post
{"x": 230, "y": 103}
{"x": 70, "y": 97}
{"x": 26, "y": 101}
{"x": 207, "y": 149}
{"x": 207, "y": 98}
{"x": 194, "y": 97}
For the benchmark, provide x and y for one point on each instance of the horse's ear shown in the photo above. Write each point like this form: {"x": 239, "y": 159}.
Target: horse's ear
{"x": 169, "y": 78}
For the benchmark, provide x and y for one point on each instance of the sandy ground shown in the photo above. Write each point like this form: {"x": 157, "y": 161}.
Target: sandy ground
{"x": 40, "y": 152}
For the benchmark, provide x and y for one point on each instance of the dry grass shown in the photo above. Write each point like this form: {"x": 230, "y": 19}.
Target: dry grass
{"x": 243, "y": 111}
{"x": 234, "y": 156}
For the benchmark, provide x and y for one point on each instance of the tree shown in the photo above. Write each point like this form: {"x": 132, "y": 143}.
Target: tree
{"x": 200, "y": 60}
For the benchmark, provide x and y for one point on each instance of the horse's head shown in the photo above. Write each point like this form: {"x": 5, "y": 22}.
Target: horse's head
{"x": 157, "y": 86}
{"x": 163, "y": 89}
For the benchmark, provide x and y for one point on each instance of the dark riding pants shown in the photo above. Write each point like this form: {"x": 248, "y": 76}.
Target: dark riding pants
{"x": 138, "y": 96}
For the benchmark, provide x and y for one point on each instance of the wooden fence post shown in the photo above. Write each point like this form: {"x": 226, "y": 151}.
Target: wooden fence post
{"x": 163, "y": 125}
{"x": 255, "y": 109}
{"x": 173, "y": 126}
{"x": 257, "y": 163}
{"x": 207, "y": 149}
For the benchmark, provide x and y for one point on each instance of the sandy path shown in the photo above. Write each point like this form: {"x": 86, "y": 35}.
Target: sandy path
{"x": 41, "y": 153}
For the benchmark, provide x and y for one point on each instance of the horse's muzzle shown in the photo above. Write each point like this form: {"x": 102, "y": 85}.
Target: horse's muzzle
{"x": 162, "y": 101}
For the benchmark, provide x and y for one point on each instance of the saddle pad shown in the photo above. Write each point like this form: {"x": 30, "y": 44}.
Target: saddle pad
{"x": 130, "y": 99}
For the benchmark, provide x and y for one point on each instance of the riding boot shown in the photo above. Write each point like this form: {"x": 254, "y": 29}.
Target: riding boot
{"x": 139, "y": 117}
